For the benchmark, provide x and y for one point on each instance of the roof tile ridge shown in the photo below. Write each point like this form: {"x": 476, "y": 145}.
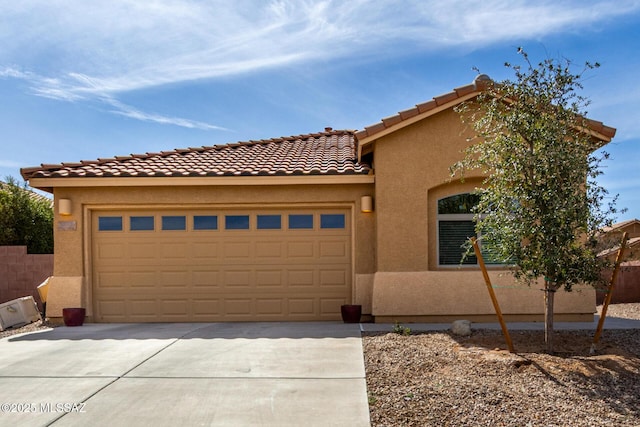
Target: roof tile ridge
{"x": 479, "y": 84}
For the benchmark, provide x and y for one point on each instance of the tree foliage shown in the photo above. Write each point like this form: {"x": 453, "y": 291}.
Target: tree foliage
{"x": 25, "y": 218}
{"x": 541, "y": 204}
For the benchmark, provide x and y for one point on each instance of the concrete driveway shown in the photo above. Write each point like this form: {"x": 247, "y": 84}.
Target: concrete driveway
{"x": 185, "y": 374}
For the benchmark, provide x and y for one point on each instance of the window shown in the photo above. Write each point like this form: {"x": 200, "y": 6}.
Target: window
{"x": 141, "y": 223}
{"x": 205, "y": 222}
{"x": 110, "y": 223}
{"x": 452, "y": 235}
{"x": 269, "y": 222}
{"x": 174, "y": 223}
{"x": 455, "y": 227}
{"x": 300, "y": 222}
{"x": 236, "y": 222}
{"x": 332, "y": 221}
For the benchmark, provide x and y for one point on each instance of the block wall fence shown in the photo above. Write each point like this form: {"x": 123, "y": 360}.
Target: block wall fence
{"x": 627, "y": 286}
{"x": 21, "y": 273}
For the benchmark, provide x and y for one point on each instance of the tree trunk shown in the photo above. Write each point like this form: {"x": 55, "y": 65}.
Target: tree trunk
{"x": 549, "y": 294}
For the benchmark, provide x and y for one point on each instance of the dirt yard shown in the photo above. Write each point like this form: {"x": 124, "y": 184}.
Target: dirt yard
{"x": 436, "y": 379}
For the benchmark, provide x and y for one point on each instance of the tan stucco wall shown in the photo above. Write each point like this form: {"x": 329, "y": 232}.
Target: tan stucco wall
{"x": 408, "y": 163}
{"x": 448, "y": 295}
{"x": 66, "y": 292}
{"x": 72, "y": 253}
{"x": 412, "y": 173}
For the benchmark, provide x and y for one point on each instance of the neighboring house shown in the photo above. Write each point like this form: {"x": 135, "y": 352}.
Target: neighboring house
{"x": 627, "y": 286}
{"x": 32, "y": 194}
{"x": 612, "y": 236}
{"x": 284, "y": 229}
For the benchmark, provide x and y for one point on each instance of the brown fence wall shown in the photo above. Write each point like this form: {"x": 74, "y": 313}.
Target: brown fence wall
{"x": 21, "y": 273}
{"x": 627, "y": 286}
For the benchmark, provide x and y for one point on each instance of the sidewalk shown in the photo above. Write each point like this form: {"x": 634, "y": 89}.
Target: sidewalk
{"x": 609, "y": 323}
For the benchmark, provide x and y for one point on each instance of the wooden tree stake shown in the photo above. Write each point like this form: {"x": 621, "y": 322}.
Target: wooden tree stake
{"x": 607, "y": 299}
{"x": 492, "y": 294}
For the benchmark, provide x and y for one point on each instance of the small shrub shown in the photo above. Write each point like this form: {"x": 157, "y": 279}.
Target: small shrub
{"x": 401, "y": 330}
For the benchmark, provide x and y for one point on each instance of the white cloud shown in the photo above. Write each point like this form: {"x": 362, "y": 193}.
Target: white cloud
{"x": 77, "y": 50}
{"x": 54, "y": 89}
{"x": 131, "y": 112}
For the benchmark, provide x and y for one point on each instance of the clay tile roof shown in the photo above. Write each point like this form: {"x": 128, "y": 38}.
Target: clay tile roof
{"x": 621, "y": 225}
{"x": 32, "y": 194}
{"x": 332, "y": 152}
{"x": 480, "y": 83}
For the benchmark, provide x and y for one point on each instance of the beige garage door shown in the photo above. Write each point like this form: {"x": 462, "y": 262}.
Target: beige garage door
{"x": 220, "y": 265}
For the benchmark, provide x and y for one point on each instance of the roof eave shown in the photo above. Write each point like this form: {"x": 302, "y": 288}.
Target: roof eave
{"x": 47, "y": 184}
{"x": 379, "y": 130}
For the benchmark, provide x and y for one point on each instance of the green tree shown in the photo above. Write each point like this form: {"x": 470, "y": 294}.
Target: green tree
{"x": 25, "y": 218}
{"x": 541, "y": 206}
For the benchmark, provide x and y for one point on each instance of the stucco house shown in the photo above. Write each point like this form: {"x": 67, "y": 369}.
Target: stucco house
{"x": 612, "y": 236}
{"x": 284, "y": 229}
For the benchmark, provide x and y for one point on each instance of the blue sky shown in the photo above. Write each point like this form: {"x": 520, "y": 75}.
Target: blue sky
{"x": 83, "y": 80}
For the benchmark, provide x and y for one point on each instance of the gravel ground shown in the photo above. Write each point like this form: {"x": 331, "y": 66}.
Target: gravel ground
{"x": 437, "y": 379}
{"x": 31, "y": 327}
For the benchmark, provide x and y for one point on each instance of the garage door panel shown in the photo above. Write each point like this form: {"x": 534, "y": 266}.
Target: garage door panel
{"x": 174, "y": 309}
{"x": 301, "y": 306}
{"x": 237, "y": 278}
{"x": 333, "y": 249}
{"x": 269, "y": 250}
{"x": 270, "y": 306}
{"x": 139, "y": 308}
{"x": 203, "y": 308}
{"x": 110, "y": 250}
{"x": 142, "y": 250}
{"x": 237, "y": 250}
{"x": 205, "y": 250}
{"x": 141, "y": 279}
{"x": 208, "y": 278}
{"x": 112, "y": 310}
{"x": 107, "y": 279}
{"x": 174, "y": 279}
{"x": 238, "y": 306}
{"x": 328, "y": 306}
{"x": 219, "y": 274}
{"x": 269, "y": 278}
{"x": 335, "y": 277}
{"x": 179, "y": 251}
{"x": 297, "y": 250}
{"x": 300, "y": 278}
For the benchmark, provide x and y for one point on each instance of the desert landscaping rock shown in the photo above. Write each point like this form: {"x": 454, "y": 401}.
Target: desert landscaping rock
{"x": 439, "y": 379}
{"x": 461, "y": 328}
